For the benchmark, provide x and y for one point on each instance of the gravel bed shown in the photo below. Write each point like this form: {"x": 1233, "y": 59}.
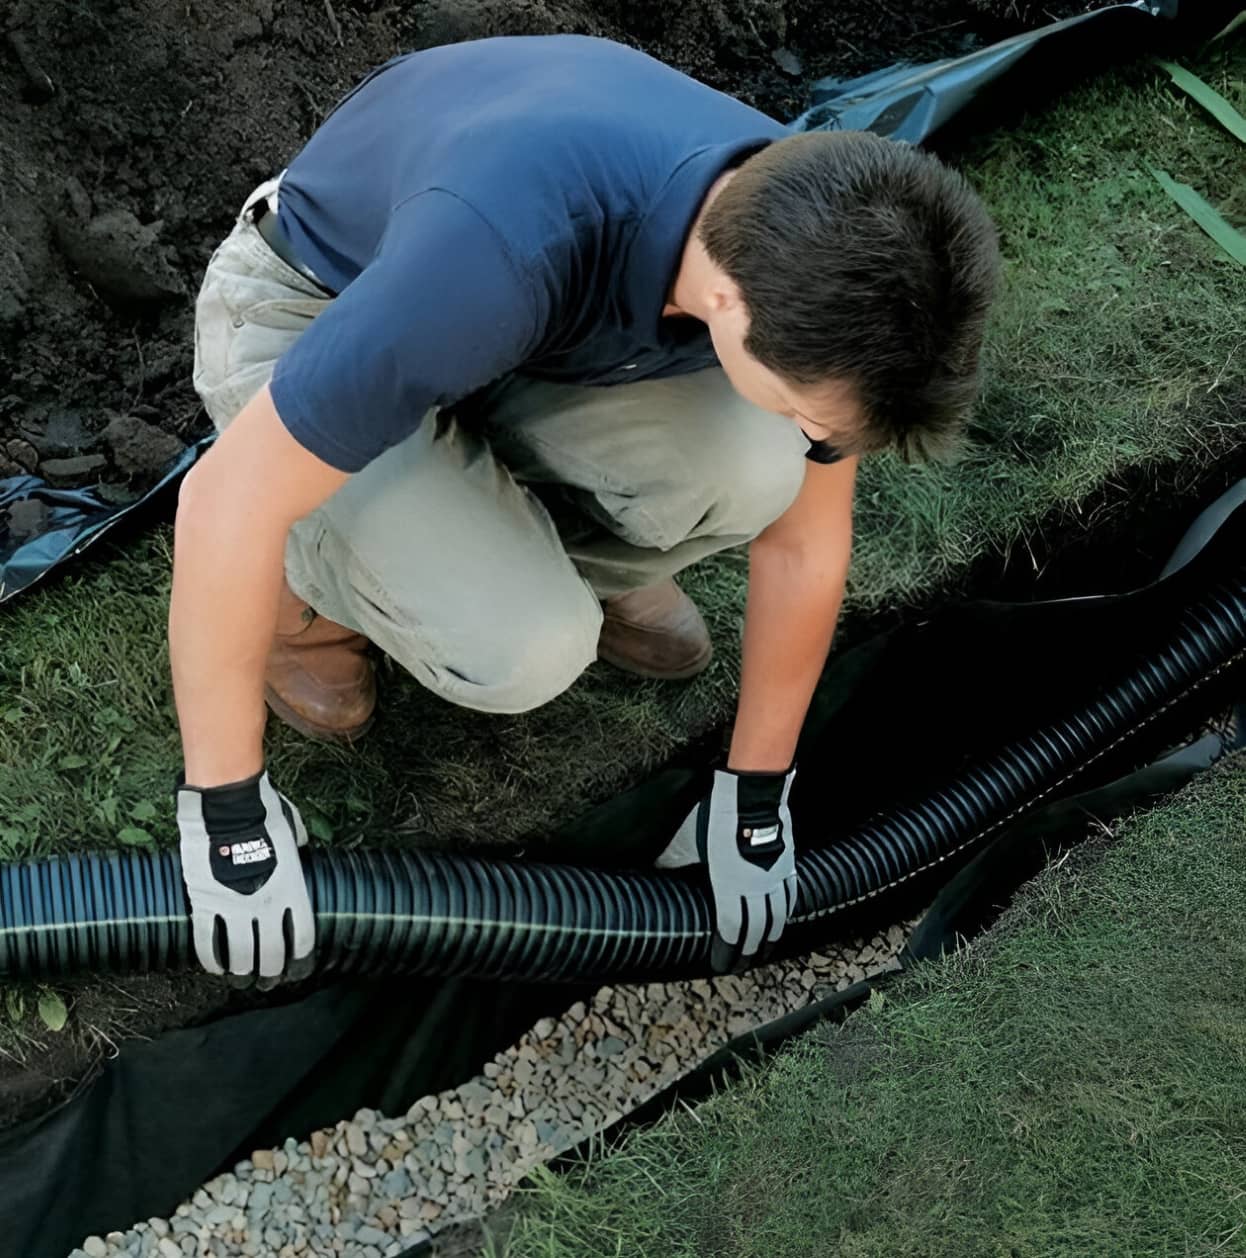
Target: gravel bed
{"x": 372, "y": 1187}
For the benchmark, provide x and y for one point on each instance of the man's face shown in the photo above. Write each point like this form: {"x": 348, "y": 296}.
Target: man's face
{"x": 827, "y": 412}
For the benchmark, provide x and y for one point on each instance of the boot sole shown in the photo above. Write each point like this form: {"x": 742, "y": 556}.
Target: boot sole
{"x": 698, "y": 665}
{"x": 309, "y": 729}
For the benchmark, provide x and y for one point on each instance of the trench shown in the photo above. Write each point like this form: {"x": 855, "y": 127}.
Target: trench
{"x": 552, "y": 1055}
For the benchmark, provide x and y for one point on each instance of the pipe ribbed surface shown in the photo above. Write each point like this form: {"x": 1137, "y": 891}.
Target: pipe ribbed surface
{"x": 424, "y": 913}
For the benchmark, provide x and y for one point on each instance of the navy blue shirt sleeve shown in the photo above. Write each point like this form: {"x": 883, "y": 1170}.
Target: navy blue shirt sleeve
{"x": 440, "y": 311}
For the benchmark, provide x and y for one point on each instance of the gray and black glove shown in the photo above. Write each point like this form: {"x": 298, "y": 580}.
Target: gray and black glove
{"x": 742, "y": 833}
{"x": 250, "y": 908}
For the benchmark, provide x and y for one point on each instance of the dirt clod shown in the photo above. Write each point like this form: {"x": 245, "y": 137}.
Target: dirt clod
{"x": 118, "y": 494}
{"x": 788, "y": 62}
{"x": 139, "y": 448}
{"x": 120, "y": 257}
{"x": 63, "y": 433}
{"x": 22, "y": 453}
{"x": 27, "y": 518}
{"x": 14, "y": 287}
{"x": 73, "y": 471}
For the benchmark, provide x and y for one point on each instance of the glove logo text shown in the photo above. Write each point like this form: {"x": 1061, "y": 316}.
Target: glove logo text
{"x": 761, "y": 835}
{"x": 248, "y": 853}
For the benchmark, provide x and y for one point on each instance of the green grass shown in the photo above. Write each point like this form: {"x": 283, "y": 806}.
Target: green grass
{"x": 1117, "y": 345}
{"x": 1074, "y": 1084}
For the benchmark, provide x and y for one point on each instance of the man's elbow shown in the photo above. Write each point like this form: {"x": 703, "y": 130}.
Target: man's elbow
{"x": 831, "y": 539}
{"x": 190, "y": 492}
{"x": 203, "y": 495}
{"x": 208, "y": 500}
{"x": 191, "y": 498}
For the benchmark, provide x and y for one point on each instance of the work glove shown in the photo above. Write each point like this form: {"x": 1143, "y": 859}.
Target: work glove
{"x": 742, "y": 833}
{"x": 250, "y": 908}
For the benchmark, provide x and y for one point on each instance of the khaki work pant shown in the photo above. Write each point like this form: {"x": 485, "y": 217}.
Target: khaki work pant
{"x": 441, "y": 551}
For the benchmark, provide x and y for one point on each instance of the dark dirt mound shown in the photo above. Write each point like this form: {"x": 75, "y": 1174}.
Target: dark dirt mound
{"x": 132, "y": 130}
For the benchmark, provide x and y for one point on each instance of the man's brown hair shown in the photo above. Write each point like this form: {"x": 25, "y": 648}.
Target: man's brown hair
{"x": 868, "y": 260}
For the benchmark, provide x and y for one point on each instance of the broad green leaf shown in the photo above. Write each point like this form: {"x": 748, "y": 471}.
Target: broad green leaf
{"x": 74, "y": 762}
{"x": 1209, "y": 98}
{"x": 134, "y": 836}
{"x": 52, "y": 1011}
{"x": 144, "y": 810}
{"x": 1205, "y": 215}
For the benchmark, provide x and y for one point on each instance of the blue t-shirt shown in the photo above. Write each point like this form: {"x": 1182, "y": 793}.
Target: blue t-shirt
{"x": 502, "y": 205}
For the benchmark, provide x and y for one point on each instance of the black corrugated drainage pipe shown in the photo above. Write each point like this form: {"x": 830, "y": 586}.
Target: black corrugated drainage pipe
{"x": 424, "y": 913}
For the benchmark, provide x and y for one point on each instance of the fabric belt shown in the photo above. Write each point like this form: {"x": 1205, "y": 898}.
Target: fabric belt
{"x": 270, "y": 229}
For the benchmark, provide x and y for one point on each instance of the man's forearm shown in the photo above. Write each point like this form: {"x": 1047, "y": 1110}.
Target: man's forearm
{"x": 226, "y": 583}
{"x": 234, "y": 515}
{"x": 794, "y": 598}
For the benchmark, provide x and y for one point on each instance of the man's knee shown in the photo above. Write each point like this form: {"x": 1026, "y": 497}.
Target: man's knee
{"x": 734, "y": 486}
{"x": 503, "y": 660}
{"x": 525, "y": 668}
{"x": 758, "y": 473}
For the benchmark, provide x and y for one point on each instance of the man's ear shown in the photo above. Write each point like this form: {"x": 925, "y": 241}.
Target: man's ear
{"x": 724, "y": 295}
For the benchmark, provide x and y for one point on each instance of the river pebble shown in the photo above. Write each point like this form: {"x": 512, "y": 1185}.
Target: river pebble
{"x": 374, "y": 1185}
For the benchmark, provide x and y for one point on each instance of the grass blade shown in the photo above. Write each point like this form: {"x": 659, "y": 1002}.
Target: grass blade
{"x": 1240, "y": 20}
{"x": 1209, "y": 98}
{"x": 1205, "y": 215}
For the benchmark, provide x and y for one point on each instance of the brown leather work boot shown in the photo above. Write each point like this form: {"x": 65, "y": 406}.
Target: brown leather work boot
{"x": 319, "y": 678}
{"x": 655, "y": 632}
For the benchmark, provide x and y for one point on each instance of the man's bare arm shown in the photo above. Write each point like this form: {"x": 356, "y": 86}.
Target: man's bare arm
{"x": 234, "y": 511}
{"x": 797, "y": 571}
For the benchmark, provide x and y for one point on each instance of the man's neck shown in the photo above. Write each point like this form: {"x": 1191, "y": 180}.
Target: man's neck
{"x": 696, "y": 272}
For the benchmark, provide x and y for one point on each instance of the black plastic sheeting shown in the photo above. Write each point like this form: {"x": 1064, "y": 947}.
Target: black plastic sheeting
{"x": 904, "y": 102}
{"x": 918, "y": 102}
{"x": 904, "y": 708}
{"x": 76, "y": 519}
